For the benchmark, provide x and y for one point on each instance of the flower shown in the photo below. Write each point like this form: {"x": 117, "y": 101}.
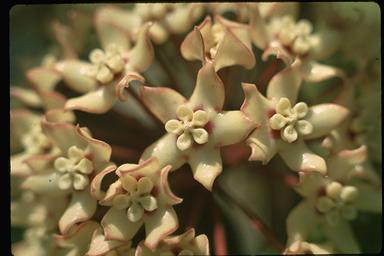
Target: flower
{"x": 141, "y": 195}
{"x": 202, "y": 119}
{"x": 275, "y": 112}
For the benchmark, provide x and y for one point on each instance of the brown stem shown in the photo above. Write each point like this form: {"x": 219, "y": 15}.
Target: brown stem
{"x": 164, "y": 63}
{"x": 195, "y": 211}
{"x": 219, "y": 236}
{"x": 124, "y": 153}
{"x": 256, "y": 221}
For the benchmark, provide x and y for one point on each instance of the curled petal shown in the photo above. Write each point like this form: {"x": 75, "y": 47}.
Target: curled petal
{"x": 192, "y": 48}
{"x": 162, "y": 101}
{"x": 286, "y": 83}
{"x": 184, "y": 141}
{"x": 81, "y": 208}
{"x": 280, "y": 53}
{"x": 298, "y": 157}
{"x": 167, "y": 196}
{"x": 209, "y": 89}
{"x": 324, "y": 118}
{"x": 160, "y": 224}
{"x": 99, "y": 245}
{"x": 43, "y": 79}
{"x": 97, "y": 180}
{"x": 117, "y": 226}
{"x": 353, "y": 157}
{"x": 206, "y": 165}
{"x": 314, "y": 72}
{"x": 231, "y": 127}
{"x": 124, "y": 83}
{"x": 141, "y": 55}
{"x": 98, "y": 102}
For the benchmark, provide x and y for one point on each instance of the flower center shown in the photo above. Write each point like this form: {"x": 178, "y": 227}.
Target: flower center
{"x": 188, "y": 127}
{"x": 106, "y": 64}
{"x": 289, "y": 120}
{"x": 35, "y": 141}
{"x": 75, "y": 169}
{"x": 337, "y": 202}
{"x": 137, "y": 199}
{"x": 296, "y": 36}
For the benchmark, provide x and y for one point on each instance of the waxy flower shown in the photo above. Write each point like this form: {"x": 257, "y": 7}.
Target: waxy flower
{"x": 182, "y": 245}
{"x": 285, "y": 124}
{"x": 68, "y": 171}
{"x": 331, "y": 201}
{"x": 222, "y": 42}
{"x": 140, "y": 196}
{"x": 302, "y": 247}
{"x": 197, "y": 127}
{"x": 288, "y": 40}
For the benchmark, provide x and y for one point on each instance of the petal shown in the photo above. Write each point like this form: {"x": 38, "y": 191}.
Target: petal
{"x": 162, "y": 101}
{"x": 80, "y": 181}
{"x": 28, "y": 97}
{"x": 369, "y": 198}
{"x": 298, "y": 157}
{"x": 43, "y": 79}
{"x": 81, "y": 208}
{"x": 62, "y": 164}
{"x": 184, "y": 141}
{"x": 142, "y": 54}
{"x": 65, "y": 182}
{"x": 200, "y": 118}
{"x": 231, "y": 127}
{"x": 129, "y": 183}
{"x": 144, "y": 185}
{"x": 44, "y": 184}
{"x": 149, "y": 203}
{"x": 192, "y": 48}
{"x": 234, "y": 49}
{"x": 289, "y": 134}
{"x": 79, "y": 237}
{"x": 166, "y": 151}
{"x": 315, "y": 72}
{"x": 310, "y": 184}
{"x": 303, "y": 127}
{"x": 300, "y": 109}
{"x": 160, "y": 224}
{"x": 206, "y": 165}
{"x": 173, "y": 126}
{"x": 117, "y": 226}
{"x": 129, "y": 77}
{"x": 97, "y": 181}
{"x": 280, "y": 53}
{"x": 277, "y": 121}
{"x": 259, "y": 33}
{"x": 135, "y": 212}
{"x": 200, "y": 136}
{"x": 283, "y": 106}
{"x": 98, "y": 102}
{"x": 342, "y": 237}
{"x": 74, "y": 75}
{"x": 85, "y": 166}
{"x": 166, "y": 194}
{"x": 324, "y": 118}
{"x": 286, "y": 83}
{"x": 300, "y": 222}
{"x": 99, "y": 245}
{"x": 184, "y": 113}
{"x": 209, "y": 89}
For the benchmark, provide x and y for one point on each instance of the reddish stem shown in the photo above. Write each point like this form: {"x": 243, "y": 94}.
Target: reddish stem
{"x": 219, "y": 236}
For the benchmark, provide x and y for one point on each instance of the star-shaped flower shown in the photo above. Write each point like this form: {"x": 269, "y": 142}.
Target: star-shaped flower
{"x": 140, "y": 196}
{"x": 331, "y": 201}
{"x": 283, "y": 128}
{"x": 223, "y": 42}
{"x": 181, "y": 245}
{"x": 68, "y": 171}
{"x": 288, "y": 40}
{"x": 197, "y": 127}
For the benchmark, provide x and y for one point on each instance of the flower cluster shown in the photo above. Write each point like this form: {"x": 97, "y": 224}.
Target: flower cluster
{"x": 246, "y": 83}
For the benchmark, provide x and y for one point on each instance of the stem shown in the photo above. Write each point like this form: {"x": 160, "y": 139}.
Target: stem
{"x": 195, "y": 211}
{"x": 163, "y": 61}
{"x": 219, "y": 236}
{"x": 256, "y": 221}
{"x": 123, "y": 153}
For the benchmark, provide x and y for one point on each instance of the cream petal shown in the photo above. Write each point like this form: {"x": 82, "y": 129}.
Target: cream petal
{"x": 310, "y": 183}
{"x": 184, "y": 113}
{"x": 300, "y": 109}
{"x": 286, "y": 83}
{"x": 43, "y": 79}
{"x": 121, "y": 201}
{"x": 62, "y": 164}
{"x": 298, "y": 157}
{"x": 314, "y": 72}
{"x": 324, "y": 118}
{"x": 135, "y": 212}
{"x": 283, "y": 106}
{"x": 129, "y": 183}
{"x": 200, "y": 136}
{"x": 259, "y": 33}
{"x": 162, "y": 101}
{"x": 79, "y": 237}
{"x": 80, "y": 181}
{"x": 206, "y": 165}
{"x": 300, "y": 222}
{"x": 74, "y": 75}
{"x": 26, "y": 96}
{"x": 85, "y": 166}
{"x": 255, "y": 105}
{"x": 303, "y": 127}
{"x": 142, "y": 54}
{"x": 277, "y": 121}
{"x": 65, "y": 181}
{"x": 289, "y": 134}
{"x": 184, "y": 141}
{"x": 369, "y": 198}
{"x": 200, "y": 118}
{"x": 117, "y": 226}
{"x": 98, "y": 102}
{"x": 100, "y": 245}
{"x": 342, "y": 237}
{"x": 231, "y": 127}
{"x": 192, "y": 48}
{"x": 166, "y": 196}
{"x": 174, "y": 126}
{"x": 160, "y": 224}
{"x": 209, "y": 89}
{"x": 280, "y": 53}
{"x": 144, "y": 185}
{"x": 81, "y": 208}
{"x": 149, "y": 203}
{"x": 96, "y": 182}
